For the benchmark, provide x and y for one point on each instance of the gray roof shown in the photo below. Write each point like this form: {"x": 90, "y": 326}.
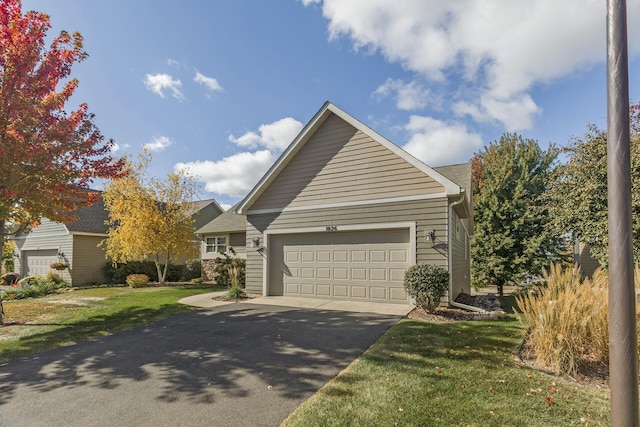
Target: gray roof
{"x": 91, "y": 219}
{"x": 228, "y": 221}
{"x": 460, "y": 174}
{"x": 200, "y": 204}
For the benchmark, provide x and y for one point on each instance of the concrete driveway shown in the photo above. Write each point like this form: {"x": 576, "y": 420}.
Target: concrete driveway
{"x": 230, "y": 365}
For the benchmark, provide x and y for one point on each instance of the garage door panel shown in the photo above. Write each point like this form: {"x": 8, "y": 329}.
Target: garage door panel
{"x": 396, "y": 275}
{"x": 378, "y": 292}
{"x": 378, "y": 255}
{"x": 323, "y": 273}
{"x": 324, "y": 256}
{"x": 378, "y": 274}
{"x": 340, "y": 256}
{"x": 397, "y": 294}
{"x": 360, "y": 265}
{"x": 398, "y": 256}
{"x": 358, "y": 274}
{"x": 358, "y": 292}
{"x": 358, "y": 256}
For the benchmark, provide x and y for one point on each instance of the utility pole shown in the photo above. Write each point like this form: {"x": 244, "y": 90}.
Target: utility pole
{"x": 623, "y": 356}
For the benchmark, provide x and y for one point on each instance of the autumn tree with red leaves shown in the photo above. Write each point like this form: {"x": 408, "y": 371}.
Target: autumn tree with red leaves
{"x": 48, "y": 157}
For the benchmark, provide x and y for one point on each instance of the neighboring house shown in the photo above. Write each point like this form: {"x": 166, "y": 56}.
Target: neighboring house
{"x": 225, "y": 231}
{"x": 582, "y": 258}
{"x": 77, "y": 243}
{"x": 344, "y": 212}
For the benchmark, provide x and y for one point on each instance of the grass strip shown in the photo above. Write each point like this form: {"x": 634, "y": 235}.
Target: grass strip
{"x": 462, "y": 373}
{"x": 38, "y": 324}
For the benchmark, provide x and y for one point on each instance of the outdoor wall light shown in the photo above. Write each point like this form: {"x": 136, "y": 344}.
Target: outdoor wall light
{"x": 256, "y": 242}
{"x": 430, "y": 236}
{"x": 60, "y": 254}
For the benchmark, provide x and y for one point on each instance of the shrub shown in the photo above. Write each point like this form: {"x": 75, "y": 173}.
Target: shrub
{"x": 9, "y": 279}
{"x": 197, "y": 280}
{"x": 33, "y": 286}
{"x": 223, "y": 266}
{"x": 8, "y": 264}
{"x": 117, "y": 273}
{"x": 427, "y": 284}
{"x": 193, "y": 269}
{"x": 568, "y": 319}
{"x": 137, "y": 280}
{"x": 55, "y": 278}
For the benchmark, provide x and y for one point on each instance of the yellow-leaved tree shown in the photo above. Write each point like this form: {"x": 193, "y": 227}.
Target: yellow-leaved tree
{"x": 149, "y": 218}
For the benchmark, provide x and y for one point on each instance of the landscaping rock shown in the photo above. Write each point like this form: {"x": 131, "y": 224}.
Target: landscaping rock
{"x": 489, "y": 302}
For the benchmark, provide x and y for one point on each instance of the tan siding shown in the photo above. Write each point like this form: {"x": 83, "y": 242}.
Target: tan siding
{"x": 88, "y": 260}
{"x": 460, "y": 257}
{"x": 237, "y": 240}
{"x": 428, "y": 214}
{"x": 587, "y": 263}
{"x": 342, "y": 164}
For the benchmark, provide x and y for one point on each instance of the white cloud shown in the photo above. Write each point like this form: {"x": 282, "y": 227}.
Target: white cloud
{"x": 233, "y": 176}
{"x": 158, "y": 83}
{"x": 236, "y": 175}
{"x": 209, "y": 82}
{"x": 499, "y": 49}
{"x": 117, "y": 147}
{"x": 438, "y": 143}
{"x": 158, "y": 143}
{"x": 409, "y": 96}
{"x": 274, "y": 136}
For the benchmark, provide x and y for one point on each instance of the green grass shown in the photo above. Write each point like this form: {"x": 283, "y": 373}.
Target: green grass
{"x": 38, "y": 324}
{"x": 450, "y": 374}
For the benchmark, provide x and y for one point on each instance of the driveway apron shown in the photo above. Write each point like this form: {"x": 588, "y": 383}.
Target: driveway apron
{"x": 233, "y": 365}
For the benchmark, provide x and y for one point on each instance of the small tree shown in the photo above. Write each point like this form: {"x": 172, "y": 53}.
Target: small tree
{"x": 150, "y": 218}
{"x": 514, "y": 236}
{"x": 427, "y": 284}
{"x": 577, "y": 197}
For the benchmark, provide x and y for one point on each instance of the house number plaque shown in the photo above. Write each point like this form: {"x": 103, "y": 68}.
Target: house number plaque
{"x": 331, "y": 228}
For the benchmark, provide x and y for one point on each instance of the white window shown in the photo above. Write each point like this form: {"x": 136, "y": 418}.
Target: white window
{"x": 216, "y": 244}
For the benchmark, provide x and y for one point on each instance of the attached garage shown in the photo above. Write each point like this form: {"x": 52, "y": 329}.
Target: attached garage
{"x": 365, "y": 265}
{"x": 343, "y": 213}
{"x": 38, "y": 262}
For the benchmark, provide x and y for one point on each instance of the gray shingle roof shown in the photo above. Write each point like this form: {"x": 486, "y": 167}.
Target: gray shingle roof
{"x": 91, "y": 219}
{"x": 459, "y": 174}
{"x": 227, "y": 221}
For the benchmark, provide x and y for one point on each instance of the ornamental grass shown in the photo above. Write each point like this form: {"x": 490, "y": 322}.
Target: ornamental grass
{"x": 568, "y": 318}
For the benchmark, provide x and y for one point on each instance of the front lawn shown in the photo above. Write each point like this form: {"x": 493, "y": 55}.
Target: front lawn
{"x": 450, "y": 374}
{"x": 37, "y": 324}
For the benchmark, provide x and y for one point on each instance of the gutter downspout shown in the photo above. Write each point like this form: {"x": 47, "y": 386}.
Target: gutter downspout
{"x": 450, "y": 262}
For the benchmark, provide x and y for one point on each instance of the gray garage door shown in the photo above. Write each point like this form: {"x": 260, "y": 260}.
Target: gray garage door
{"x": 358, "y": 265}
{"x": 38, "y": 262}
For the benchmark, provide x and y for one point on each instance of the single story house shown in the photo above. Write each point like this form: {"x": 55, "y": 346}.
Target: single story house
{"x": 344, "y": 212}
{"x": 229, "y": 229}
{"x": 77, "y": 243}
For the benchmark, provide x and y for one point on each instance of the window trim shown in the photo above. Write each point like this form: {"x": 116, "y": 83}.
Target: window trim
{"x": 216, "y": 246}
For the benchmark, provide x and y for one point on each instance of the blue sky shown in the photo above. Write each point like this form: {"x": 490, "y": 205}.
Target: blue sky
{"x": 221, "y": 87}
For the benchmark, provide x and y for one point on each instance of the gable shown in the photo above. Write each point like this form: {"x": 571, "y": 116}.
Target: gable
{"x": 339, "y": 164}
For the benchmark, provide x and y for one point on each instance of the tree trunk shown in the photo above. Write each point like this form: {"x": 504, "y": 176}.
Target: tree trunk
{"x": 2, "y": 222}
{"x": 500, "y": 286}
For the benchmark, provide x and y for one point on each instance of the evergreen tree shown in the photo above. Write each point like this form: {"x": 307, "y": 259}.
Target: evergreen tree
{"x": 514, "y": 237}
